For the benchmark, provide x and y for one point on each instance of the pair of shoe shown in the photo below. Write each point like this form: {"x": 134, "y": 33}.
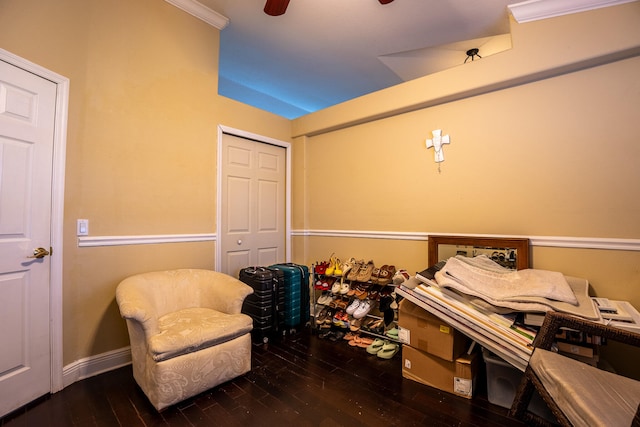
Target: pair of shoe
{"x": 400, "y": 277}
{"x": 332, "y": 335}
{"x": 341, "y": 319}
{"x": 375, "y": 325}
{"x": 354, "y": 325}
{"x": 338, "y": 303}
{"x": 362, "y": 309}
{"x": 325, "y": 299}
{"x": 335, "y": 288}
{"x": 321, "y": 318}
{"x": 347, "y": 266}
{"x": 384, "y": 349}
{"x": 335, "y": 267}
{"x": 361, "y": 272}
{"x": 355, "y": 269}
{"x": 325, "y": 283}
{"x": 321, "y": 268}
{"x": 359, "y": 308}
{"x": 352, "y": 307}
{"x": 340, "y": 287}
{"x": 385, "y": 275}
{"x": 362, "y": 342}
{"x": 392, "y": 333}
{"x": 388, "y": 301}
{"x": 365, "y": 272}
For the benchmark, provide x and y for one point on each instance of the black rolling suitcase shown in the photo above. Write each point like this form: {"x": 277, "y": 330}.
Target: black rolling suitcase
{"x": 266, "y": 304}
{"x": 296, "y": 294}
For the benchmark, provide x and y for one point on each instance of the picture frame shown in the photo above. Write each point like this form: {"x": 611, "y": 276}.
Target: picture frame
{"x": 512, "y": 253}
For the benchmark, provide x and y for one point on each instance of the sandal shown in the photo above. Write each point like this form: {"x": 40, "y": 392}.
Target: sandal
{"x": 392, "y": 333}
{"x": 359, "y": 292}
{"x": 376, "y": 346}
{"x": 335, "y": 288}
{"x": 337, "y": 271}
{"x": 332, "y": 266}
{"x": 365, "y": 342}
{"x": 376, "y": 273}
{"x": 349, "y": 336}
{"x": 354, "y": 325}
{"x": 388, "y": 350}
{"x": 321, "y": 316}
{"x": 386, "y": 274}
{"x": 344, "y": 288}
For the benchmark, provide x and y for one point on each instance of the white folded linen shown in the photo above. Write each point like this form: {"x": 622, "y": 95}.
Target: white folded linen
{"x": 483, "y": 278}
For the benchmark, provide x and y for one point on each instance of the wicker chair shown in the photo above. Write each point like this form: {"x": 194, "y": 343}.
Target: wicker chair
{"x": 577, "y": 394}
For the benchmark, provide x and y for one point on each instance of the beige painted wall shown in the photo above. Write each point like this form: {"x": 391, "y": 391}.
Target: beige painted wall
{"x": 524, "y": 160}
{"x": 535, "y": 151}
{"x": 142, "y": 141}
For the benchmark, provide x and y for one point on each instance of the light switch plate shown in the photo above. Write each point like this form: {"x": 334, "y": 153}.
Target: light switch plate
{"x": 83, "y": 227}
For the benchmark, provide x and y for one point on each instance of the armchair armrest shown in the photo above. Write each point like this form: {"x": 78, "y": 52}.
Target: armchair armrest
{"x": 137, "y": 307}
{"x": 224, "y": 293}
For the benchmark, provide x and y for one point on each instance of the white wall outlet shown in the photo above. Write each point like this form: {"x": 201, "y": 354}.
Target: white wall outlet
{"x": 83, "y": 227}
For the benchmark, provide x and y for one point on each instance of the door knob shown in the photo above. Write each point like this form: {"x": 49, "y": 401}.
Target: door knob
{"x": 239, "y": 241}
{"x": 39, "y": 253}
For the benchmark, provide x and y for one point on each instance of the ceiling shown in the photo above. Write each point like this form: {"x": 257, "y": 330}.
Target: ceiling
{"x": 323, "y": 52}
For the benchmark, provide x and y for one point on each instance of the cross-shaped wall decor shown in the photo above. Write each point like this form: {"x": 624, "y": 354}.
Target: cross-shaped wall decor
{"x": 436, "y": 142}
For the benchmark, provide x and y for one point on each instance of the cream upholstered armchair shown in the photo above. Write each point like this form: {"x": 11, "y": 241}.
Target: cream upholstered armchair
{"x": 186, "y": 331}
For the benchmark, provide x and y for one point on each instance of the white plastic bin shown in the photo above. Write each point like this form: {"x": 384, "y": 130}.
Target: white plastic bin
{"x": 503, "y": 381}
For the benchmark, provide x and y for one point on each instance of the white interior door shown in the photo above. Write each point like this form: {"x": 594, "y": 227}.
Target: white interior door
{"x": 27, "y": 113}
{"x": 252, "y": 204}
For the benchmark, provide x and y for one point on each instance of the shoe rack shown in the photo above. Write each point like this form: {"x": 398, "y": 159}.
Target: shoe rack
{"x": 353, "y": 303}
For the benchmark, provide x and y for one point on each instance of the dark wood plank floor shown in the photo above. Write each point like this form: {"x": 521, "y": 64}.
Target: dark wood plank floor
{"x": 299, "y": 380}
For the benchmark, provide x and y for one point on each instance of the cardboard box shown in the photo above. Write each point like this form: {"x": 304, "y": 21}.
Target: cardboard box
{"x": 457, "y": 377}
{"x": 578, "y": 350}
{"x": 424, "y": 331}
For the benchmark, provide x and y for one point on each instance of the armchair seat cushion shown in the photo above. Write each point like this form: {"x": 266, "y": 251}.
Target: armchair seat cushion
{"x": 192, "y": 329}
{"x": 585, "y": 394}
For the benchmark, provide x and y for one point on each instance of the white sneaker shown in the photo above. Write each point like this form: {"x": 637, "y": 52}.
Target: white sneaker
{"x": 362, "y": 310}
{"x": 353, "y": 306}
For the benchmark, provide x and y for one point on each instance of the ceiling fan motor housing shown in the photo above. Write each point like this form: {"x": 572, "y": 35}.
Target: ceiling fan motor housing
{"x": 276, "y": 7}
{"x": 279, "y": 7}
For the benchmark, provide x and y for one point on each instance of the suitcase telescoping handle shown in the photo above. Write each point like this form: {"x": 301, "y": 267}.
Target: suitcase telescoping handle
{"x": 254, "y": 270}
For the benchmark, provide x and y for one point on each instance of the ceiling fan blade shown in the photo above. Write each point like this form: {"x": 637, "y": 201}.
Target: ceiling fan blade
{"x": 385, "y": 1}
{"x": 276, "y": 7}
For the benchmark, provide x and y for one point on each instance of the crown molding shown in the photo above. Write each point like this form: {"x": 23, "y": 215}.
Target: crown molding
{"x": 533, "y": 10}
{"x": 201, "y": 12}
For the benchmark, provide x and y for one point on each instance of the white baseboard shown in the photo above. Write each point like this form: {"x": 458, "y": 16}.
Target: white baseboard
{"x": 95, "y": 365}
